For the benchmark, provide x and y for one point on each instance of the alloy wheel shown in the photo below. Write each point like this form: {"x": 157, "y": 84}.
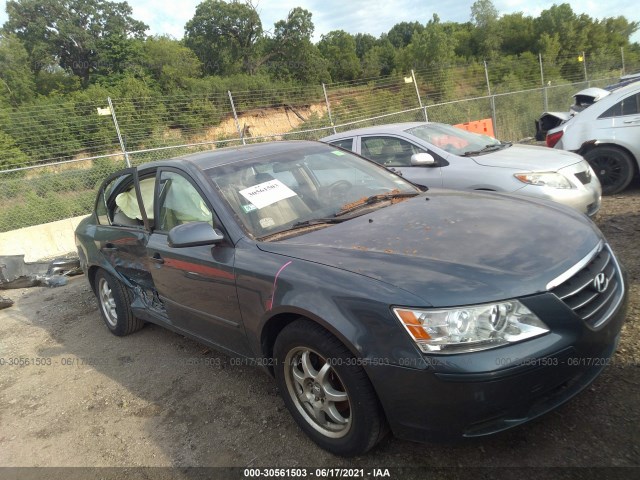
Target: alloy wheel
{"x": 318, "y": 392}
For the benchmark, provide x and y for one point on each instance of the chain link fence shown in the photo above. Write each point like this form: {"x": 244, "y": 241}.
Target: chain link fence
{"x": 62, "y": 150}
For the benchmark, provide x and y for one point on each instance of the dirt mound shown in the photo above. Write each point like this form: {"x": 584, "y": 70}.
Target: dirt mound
{"x": 266, "y": 121}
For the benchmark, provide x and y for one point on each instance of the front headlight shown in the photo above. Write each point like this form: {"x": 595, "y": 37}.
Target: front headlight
{"x": 472, "y": 328}
{"x": 545, "y": 179}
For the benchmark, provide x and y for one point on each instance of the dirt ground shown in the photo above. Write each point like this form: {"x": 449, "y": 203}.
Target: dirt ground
{"x": 88, "y": 398}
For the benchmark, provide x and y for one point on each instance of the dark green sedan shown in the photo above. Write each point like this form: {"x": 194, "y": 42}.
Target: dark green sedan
{"x": 377, "y": 305}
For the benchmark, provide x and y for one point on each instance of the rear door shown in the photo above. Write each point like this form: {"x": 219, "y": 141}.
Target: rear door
{"x": 621, "y": 121}
{"x": 123, "y": 228}
{"x": 196, "y": 284}
{"x": 627, "y": 125}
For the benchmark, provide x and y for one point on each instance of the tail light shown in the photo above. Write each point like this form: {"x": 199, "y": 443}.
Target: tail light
{"x": 553, "y": 138}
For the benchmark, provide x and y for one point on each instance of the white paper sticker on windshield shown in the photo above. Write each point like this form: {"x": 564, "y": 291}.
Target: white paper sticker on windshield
{"x": 267, "y": 193}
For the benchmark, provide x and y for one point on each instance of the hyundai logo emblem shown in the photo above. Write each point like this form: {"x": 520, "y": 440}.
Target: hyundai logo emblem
{"x": 601, "y": 282}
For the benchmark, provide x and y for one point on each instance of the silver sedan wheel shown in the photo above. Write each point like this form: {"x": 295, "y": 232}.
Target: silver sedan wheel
{"x": 317, "y": 392}
{"x": 107, "y": 302}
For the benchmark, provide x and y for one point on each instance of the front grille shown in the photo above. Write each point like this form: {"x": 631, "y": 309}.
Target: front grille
{"x": 593, "y": 289}
{"x": 584, "y": 177}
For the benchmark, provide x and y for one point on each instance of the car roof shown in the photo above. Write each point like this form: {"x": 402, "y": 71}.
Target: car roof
{"x": 387, "y": 128}
{"x": 620, "y": 92}
{"x": 223, "y": 156}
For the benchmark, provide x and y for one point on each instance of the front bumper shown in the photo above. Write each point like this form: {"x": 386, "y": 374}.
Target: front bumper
{"x": 586, "y": 199}
{"x": 481, "y": 393}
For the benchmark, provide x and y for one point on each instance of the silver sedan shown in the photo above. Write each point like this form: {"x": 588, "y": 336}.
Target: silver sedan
{"x": 439, "y": 155}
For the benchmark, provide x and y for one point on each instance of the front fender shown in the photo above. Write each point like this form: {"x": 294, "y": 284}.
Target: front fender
{"x": 354, "y": 308}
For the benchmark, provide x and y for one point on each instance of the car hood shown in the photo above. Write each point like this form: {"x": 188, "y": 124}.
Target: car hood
{"x": 452, "y": 248}
{"x": 528, "y": 158}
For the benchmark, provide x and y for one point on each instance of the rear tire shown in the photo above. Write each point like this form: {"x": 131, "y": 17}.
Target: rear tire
{"x": 613, "y": 166}
{"x": 328, "y": 394}
{"x": 114, "y": 300}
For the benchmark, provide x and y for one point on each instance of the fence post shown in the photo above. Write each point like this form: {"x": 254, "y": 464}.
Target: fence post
{"x": 235, "y": 117}
{"x": 415, "y": 84}
{"x": 545, "y": 97}
{"x": 492, "y": 97}
{"x": 584, "y": 63}
{"x": 115, "y": 122}
{"x": 624, "y": 72}
{"x": 326, "y": 99}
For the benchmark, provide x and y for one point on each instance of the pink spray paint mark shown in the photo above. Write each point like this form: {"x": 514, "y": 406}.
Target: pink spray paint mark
{"x": 275, "y": 283}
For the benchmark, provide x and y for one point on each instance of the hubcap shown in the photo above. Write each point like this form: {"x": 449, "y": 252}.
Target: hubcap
{"x": 317, "y": 392}
{"x": 107, "y": 302}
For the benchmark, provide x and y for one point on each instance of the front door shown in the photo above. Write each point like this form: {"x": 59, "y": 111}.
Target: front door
{"x": 395, "y": 153}
{"x": 196, "y": 284}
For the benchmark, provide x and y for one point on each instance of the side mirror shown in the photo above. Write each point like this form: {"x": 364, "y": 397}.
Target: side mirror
{"x": 422, "y": 160}
{"x": 194, "y": 234}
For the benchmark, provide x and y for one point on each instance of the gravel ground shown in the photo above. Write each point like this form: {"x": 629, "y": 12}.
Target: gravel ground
{"x": 158, "y": 399}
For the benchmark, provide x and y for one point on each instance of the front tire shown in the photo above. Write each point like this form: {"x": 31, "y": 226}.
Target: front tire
{"x": 114, "y": 301}
{"x": 613, "y": 166}
{"x": 326, "y": 391}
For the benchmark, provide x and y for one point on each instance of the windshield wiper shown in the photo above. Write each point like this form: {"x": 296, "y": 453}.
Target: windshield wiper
{"x": 315, "y": 221}
{"x": 381, "y": 197}
{"x": 303, "y": 224}
{"x": 488, "y": 148}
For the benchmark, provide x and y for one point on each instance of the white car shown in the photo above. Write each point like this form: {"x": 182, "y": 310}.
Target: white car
{"x": 607, "y": 134}
{"x": 441, "y": 156}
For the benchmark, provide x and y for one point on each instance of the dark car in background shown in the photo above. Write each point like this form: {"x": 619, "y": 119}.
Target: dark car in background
{"x": 376, "y": 304}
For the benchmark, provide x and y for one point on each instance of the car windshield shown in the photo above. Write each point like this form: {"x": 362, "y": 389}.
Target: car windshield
{"x": 455, "y": 140}
{"x": 306, "y": 188}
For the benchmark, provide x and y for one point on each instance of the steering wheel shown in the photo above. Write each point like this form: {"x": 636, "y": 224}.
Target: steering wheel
{"x": 339, "y": 189}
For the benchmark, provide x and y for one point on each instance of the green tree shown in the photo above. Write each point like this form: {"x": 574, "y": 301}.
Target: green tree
{"x": 364, "y": 43}
{"x": 487, "y": 36}
{"x": 560, "y": 21}
{"x": 224, "y": 36}
{"x": 401, "y": 33}
{"x": 16, "y": 79}
{"x": 387, "y": 55}
{"x": 518, "y": 33}
{"x": 73, "y": 33}
{"x": 619, "y": 30}
{"x": 380, "y": 60}
{"x": 170, "y": 63}
{"x": 433, "y": 49}
{"x": 10, "y": 155}
{"x": 549, "y": 47}
{"x": 339, "y": 49}
{"x": 290, "y": 54}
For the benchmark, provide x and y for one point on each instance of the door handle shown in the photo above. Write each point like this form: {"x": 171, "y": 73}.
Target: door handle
{"x": 109, "y": 247}
{"x": 633, "y": 120}
{"x": 157, "y": 258}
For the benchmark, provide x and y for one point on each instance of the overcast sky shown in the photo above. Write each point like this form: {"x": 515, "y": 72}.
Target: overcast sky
{"x": 362, "y": 16}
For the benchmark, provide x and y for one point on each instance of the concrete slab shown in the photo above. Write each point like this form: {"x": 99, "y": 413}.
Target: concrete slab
{"x": 40, "y": 242}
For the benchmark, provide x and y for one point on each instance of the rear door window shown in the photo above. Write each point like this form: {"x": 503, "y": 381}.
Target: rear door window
{"x": 626, "y": 106}
{"x": 117, "y": 203}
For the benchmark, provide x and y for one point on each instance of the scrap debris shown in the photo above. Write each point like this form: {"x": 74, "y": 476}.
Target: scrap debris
{"x": 16, "y": 273}
{"x": 5, "y": 302}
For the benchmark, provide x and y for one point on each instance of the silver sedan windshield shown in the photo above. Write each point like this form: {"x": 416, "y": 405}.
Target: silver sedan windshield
{"x": 453, "y": 140}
